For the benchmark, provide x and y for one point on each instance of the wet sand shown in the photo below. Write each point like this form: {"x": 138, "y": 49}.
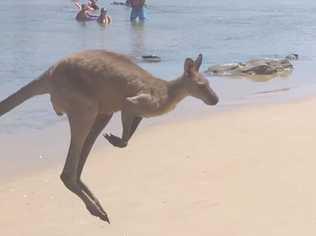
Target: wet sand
{"x": 244, "y": 172}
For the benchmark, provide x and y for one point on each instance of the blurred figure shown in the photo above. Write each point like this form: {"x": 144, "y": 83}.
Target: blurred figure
{"x": 84, "y": 15}
{"x": 104, "y": 18}
{"x": 137, "y": 10}
{"x": 79, "y": 6}
{"x": 93, "y": 4}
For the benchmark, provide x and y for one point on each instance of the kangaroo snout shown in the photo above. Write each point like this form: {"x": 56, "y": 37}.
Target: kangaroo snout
{"x": 212, "y": 101}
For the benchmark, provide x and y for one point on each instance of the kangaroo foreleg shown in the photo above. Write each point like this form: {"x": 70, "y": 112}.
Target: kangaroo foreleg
{"x": 130, "y": 123}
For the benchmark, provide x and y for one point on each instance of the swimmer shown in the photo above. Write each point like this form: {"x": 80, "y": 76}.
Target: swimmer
{"x": 83, "y": 14}
{"x": 93, "y": 4}
{"x": 79, "y": 6}
{"x": 104, "y": 18}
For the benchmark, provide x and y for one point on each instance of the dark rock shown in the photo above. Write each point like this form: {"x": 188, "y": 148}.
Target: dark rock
{"x": 253, "y": 67}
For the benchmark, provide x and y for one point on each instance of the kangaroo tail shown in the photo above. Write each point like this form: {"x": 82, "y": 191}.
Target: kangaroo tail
{"x": 36, "y": 87}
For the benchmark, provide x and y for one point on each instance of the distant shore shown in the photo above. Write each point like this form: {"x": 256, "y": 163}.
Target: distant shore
{"x": 249, "y": 171}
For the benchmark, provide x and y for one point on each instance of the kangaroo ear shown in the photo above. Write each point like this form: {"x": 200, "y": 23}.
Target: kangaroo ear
{"x": 188, "y": 65}
{"x": 198, "y": 62}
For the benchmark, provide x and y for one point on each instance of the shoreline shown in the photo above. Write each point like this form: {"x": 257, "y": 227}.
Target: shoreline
{"x": 47, "y": 153}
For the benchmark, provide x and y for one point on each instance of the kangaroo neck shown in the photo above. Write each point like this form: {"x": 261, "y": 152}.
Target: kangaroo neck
{"x": 176, "y": 92}
{"x": 162, "y": 99}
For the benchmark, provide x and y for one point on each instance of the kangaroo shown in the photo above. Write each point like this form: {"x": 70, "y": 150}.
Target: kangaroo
{"x": 89, "y": 87}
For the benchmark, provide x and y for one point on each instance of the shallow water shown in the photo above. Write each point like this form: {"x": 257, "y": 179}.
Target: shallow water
{"x": 37, "y": 33}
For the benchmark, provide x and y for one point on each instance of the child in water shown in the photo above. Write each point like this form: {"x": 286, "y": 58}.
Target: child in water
{"x": 104, "y": 18}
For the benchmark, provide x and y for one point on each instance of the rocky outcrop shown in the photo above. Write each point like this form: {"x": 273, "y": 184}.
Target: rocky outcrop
{"x": 255, "y": 67}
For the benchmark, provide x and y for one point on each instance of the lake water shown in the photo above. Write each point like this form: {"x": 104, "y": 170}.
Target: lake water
{"x": 37, "y": 33}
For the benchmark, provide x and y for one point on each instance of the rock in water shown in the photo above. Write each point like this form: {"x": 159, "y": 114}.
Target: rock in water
{"x": 271, "y": 67}
{"x": 151, "y": 58}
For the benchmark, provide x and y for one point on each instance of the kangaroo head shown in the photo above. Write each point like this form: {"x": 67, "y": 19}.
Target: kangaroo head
{"x": 196, "y": 84}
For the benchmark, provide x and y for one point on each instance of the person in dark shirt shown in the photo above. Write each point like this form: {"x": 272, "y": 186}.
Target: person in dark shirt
{"x": 137, "y": 10}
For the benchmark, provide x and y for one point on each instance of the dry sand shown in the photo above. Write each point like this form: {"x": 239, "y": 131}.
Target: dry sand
{"x": 241, "y": 173}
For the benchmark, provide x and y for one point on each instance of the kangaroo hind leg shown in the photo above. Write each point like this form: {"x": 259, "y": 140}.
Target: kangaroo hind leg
{"x": 82, "y": 121}
{"x": 100, "y": 122}
{"x": 57, "y": 108}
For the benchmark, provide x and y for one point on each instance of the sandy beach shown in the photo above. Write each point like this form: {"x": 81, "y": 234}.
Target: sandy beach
{"x": 245, "y": 172}
{"x": 245, "y": 167}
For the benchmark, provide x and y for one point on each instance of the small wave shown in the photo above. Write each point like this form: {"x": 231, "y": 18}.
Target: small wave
{"x": 274, "y": 91}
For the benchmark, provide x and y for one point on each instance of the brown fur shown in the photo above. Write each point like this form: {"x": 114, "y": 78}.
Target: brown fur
{"x": 90, "y": 86}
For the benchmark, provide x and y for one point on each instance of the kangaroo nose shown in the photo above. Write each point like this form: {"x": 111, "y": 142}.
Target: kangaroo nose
{"x": 213, "y": 101}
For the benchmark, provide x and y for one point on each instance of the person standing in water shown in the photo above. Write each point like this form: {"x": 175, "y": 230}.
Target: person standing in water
{"x": 137, "y": 9}
{"x": 104, "y": 18}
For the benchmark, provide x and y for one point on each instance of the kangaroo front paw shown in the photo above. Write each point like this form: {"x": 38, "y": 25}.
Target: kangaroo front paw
{"x": 115, "y": 141}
